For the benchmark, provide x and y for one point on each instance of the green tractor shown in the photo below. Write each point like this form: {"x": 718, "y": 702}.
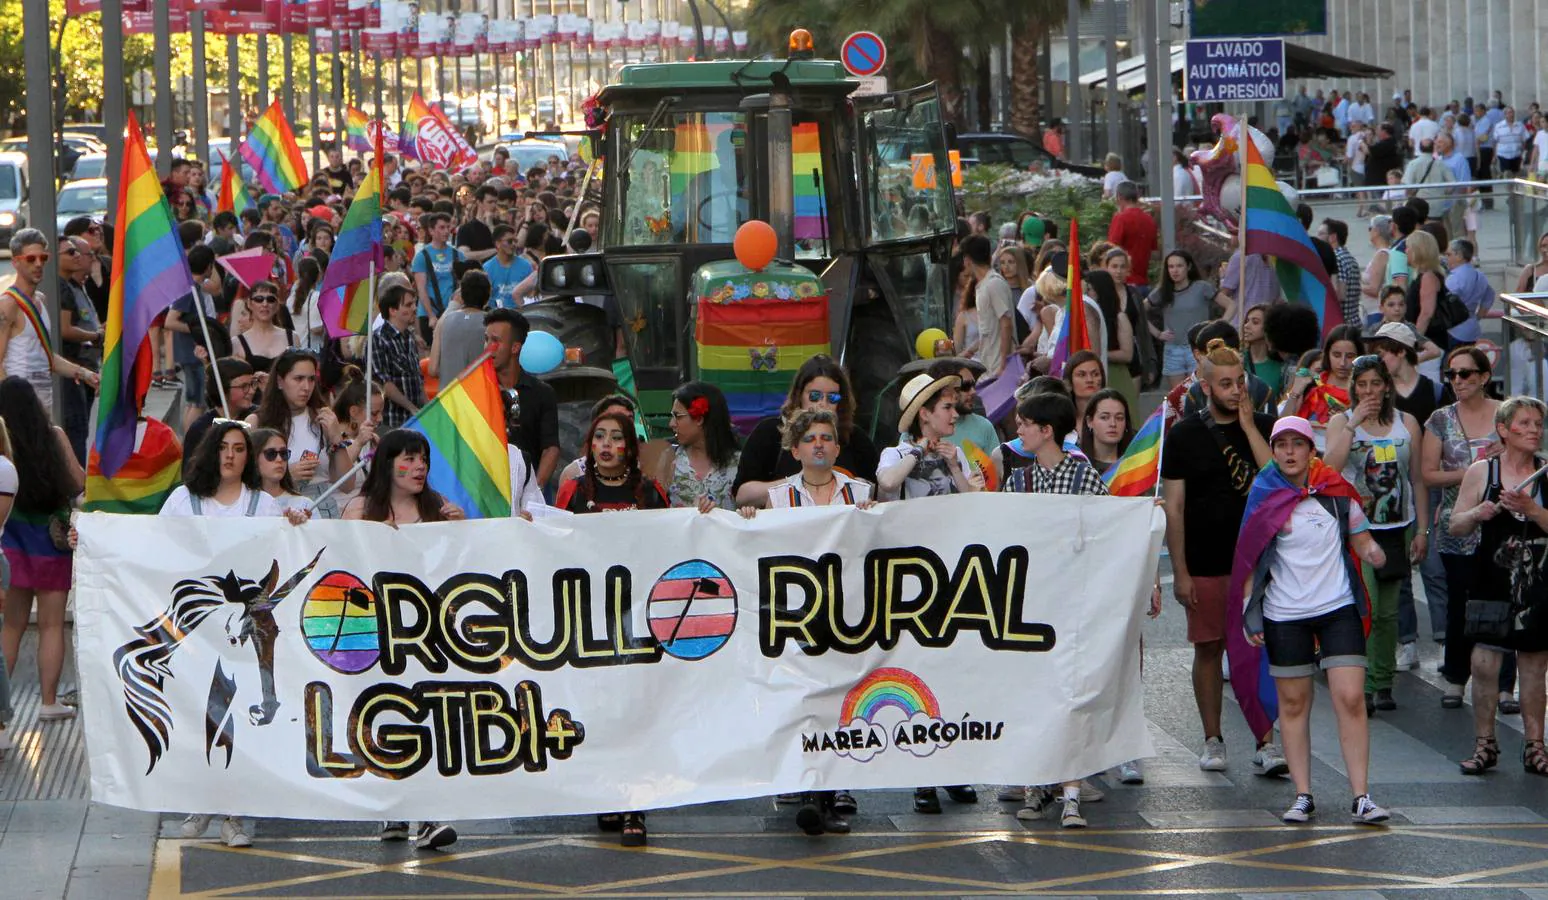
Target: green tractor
{"x": 690, "y": 152}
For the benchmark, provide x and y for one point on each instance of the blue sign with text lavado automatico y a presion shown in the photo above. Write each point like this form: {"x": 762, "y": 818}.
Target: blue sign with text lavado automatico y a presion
{"x": 1219, "y": 71}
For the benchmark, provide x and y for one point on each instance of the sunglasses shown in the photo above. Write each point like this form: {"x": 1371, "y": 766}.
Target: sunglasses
{"x": 69, "y": 251}
{"x": 1454, "y": 374}
{"x": 263, "y": 298}
{"x": 833, "y": 397}
{"x": 34, "y": 257}
{"x": 273, "y": 453}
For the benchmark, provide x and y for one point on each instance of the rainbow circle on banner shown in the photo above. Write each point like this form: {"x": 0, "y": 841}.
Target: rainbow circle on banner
{"x": 339, "y": 622}
{"x": 692, "y": 610}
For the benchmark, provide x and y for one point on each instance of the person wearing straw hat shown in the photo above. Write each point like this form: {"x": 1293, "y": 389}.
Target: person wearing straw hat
{"x": 925, "y": 463}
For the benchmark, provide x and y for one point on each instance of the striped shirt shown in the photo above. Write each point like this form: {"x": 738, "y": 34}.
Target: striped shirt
{"x": 1509, "y": 139}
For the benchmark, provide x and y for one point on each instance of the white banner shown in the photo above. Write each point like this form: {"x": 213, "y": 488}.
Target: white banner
{"x": 506, "y": 668}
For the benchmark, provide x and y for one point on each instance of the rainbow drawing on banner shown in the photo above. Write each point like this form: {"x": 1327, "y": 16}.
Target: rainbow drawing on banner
{"x": 692, "y": 610}
{"x": 339, "y": 621}
{"x": 810, "y": 183}
{"x": 272, "y": 151}
{"x": 892, "y": 687}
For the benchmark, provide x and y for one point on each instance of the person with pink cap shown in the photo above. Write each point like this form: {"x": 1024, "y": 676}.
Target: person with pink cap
{"x": 1304, "y": 597}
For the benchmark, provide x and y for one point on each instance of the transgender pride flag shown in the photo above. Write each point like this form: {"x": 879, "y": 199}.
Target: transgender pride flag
{"x": 692, "y": 610}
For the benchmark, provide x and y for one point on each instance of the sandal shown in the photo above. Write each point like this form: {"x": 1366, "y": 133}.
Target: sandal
{"x": 1534, "y": 758}
{"x": 633, "y": 828}
{"x": 610, "y": 821}
{"x": 1486, "y": 755}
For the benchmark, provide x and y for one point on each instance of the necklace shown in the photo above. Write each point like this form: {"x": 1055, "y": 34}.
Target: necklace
{"x": 816, "y": 484}
{"x": 612, "y": 480}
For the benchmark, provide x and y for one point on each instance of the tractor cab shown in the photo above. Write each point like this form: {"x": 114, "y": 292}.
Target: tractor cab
{"x": 689, "y": 152}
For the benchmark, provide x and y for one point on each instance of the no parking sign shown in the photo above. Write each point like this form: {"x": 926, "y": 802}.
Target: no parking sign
{"x": 863, "y": 54}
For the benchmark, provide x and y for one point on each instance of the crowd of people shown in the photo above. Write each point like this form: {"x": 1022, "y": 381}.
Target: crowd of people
{"x": 1378, "y": 441}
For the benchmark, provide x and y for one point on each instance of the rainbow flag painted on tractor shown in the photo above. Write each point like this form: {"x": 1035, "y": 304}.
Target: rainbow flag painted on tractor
{"x": 143, "y": 482}
{"x": 754, "y": 330}
{"x": 1273, "y": 228}
{"x": 272, "y": 151}
{"x": 810, "y": 186}
{"x": 465, "y": 425}
{"x": 150, "y": 272}
{"x": 1137, "y": 471}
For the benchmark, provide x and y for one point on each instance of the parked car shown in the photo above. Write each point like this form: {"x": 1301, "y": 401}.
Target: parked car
{"x": 530, "y": 152}
{"x": 87, "y": 197}
{"x": 90, "y": 165}
{"x": 13, "y": 195}
{"x": 1014, "y": 150}
{"x": 94, "y": 130}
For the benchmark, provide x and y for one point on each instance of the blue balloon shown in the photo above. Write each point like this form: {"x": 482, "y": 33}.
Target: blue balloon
{"x": 541, "y": 353}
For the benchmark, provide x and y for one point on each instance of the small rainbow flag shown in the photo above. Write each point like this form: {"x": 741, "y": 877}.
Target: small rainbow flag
{"x": 1073, "y": 335}
{"x": 356, "y": 129}
{"x": 344, "y": 300}
{"x": 233, "y": 195}
{"x": 465, "y": 425}
{"x": 150, "y": 272}
{"x": 1272, "y": 228}
{"x": 1137, "y": 471}
{"x": 806, "y": 163}
{"x": 272, "y": 151}
{"x": 142, "y": 484}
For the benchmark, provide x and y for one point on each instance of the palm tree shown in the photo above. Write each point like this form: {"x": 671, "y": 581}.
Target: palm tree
{"x": 1040, "y": 19}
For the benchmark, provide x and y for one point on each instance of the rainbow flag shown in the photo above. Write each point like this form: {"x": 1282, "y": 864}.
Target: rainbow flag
{"x": 465, "y": 425}
{"x": 408, "y": 134}
{"x": 272, "y": 151}
{"x": 810, "y": 185}
{"x": 1270, "y": 502}
{"x": 1073, "y": 335}
{"x": 1137, "y": 471}
{"x": 1273, "y": 228}
{"x": 233, "y": 196}
{"x": 142, "y": 484}
{"x": 356, "y": 130}
{"x": 150, "y": 272}
{"x": 344, "y": 299}
{"x": 693, "y": 149}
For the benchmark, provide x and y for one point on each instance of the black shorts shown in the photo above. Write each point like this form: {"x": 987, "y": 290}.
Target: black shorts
{"x": 1293, "y": 646}
{"x": 1512, "y": 164}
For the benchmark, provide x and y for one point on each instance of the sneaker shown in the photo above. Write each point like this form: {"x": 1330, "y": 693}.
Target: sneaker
{"x": 1408, "y": 655}
{"x": 1301, "y": 810}
{"x": 394, "y": 831}
{"x": 1011, "y": 794}
{"x": 55, "y": 712}
{"x": 1225, "y": 666}
{"x": 844, "y": 803}
{"x": 196, "y": 825}
{"x": 1071, "y": 817}
{"x": 1269, "y": 762}
{"x": 1090, "y": 793}
{"x": 434, "y": 836}
{"x": 1213, "y": 759}
{"x": 1037, "y": 802}
{"x": 1364, "y": 811}
{"x": 233, "y": 834}
{"x": 1384, "y": 701}
{"x": 1129, "y": 773}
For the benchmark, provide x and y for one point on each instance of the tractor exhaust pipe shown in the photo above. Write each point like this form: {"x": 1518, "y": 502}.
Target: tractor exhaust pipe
{"x": 781, "y": 174}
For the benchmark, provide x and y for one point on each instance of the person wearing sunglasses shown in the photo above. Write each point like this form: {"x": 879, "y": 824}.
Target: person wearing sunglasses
{"x": 1374, "y": 444}
{"x": 820, "y": 383}
{"x": 266, "y": 337}
{"x": 25, "y": 344}
{"x": 1455, "y": 437}
{"x": 274, "y": 469}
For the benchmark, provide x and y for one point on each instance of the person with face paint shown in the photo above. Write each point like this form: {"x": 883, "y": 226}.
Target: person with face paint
{"x": 396, "y": 492}
{"x": 820, "y": 383}
{"x": 1305, "y": 603}
{"x": 811, "y": 438}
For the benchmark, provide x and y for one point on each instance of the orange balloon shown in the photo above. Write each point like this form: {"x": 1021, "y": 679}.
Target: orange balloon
{"x": 755, "y": 244}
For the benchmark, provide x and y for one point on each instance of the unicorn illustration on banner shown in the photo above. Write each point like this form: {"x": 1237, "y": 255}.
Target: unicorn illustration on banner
{"x": 1222, "y": 170}
{"x": 145, "y": 663}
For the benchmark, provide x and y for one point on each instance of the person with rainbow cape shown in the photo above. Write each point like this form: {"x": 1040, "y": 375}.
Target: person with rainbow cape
{"x": 1297, "y": 566}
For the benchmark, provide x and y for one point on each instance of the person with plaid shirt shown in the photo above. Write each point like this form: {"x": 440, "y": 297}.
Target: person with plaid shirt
{"x": 397, "y": 356}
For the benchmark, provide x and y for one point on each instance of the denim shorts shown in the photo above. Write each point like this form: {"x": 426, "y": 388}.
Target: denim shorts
{"x": 1176, "y": 360}
{"x": 1293, "y": 646}
{"x": 193, "y": 384}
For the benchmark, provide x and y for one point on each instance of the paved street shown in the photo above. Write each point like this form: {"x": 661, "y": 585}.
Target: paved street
{"x": 1185, "y": 833}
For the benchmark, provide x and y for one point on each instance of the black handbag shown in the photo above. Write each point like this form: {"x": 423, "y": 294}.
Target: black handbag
{"x": 1487, "y": 620}
{"x": 1394, "y": 543}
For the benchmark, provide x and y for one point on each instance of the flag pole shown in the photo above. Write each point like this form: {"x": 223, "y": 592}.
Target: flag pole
{"x": 360, "y": 464}
{"x": 209, "y": 347}
{"x": 370, "y": 372}
{"x": 1160, "y": 446}
{"x": 1240, "y": 313}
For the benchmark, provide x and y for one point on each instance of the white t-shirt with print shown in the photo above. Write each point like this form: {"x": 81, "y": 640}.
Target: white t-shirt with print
{"x": 1307, "y": 577}
{"x": 930, "y": 476}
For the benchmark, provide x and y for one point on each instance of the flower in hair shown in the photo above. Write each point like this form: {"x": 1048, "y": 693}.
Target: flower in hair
{"x": 698, "y": 408}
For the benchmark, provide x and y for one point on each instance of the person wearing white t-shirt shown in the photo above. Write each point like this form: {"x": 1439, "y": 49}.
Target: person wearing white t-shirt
{"x": 992, "y": 297}
{"x": 1305, "y": 604}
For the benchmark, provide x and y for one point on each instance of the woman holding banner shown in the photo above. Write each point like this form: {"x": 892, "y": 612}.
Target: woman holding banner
{"x": 1306, "y": 598}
